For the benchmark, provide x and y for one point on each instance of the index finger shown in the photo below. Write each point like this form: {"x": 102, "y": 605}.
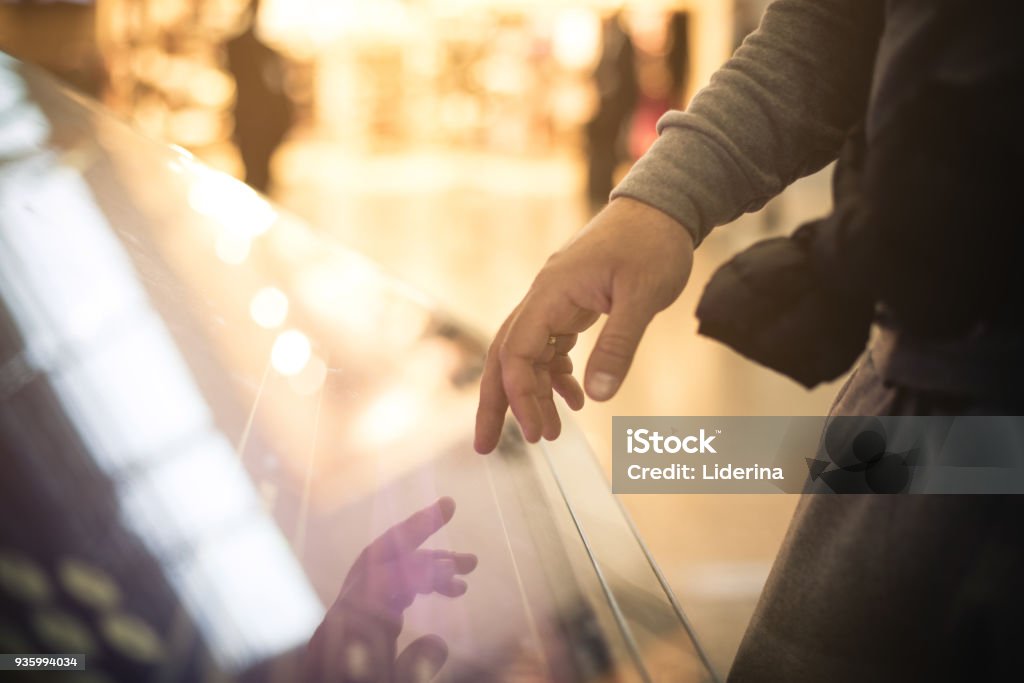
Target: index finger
{"x": 490, "y": 411}
{"x": 408, "y": 535}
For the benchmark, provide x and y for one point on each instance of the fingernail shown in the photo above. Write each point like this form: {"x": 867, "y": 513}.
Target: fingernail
{"x": 447, "y": 507}
{"x": 530, "y": 433}
{"x": 602, "y": 385}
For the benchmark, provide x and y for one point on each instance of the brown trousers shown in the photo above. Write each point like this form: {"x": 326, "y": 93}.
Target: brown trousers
{"x": 893, "y": 587}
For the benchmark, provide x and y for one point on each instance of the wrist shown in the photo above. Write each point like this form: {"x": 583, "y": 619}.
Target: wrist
{"x": 636, "y": 212}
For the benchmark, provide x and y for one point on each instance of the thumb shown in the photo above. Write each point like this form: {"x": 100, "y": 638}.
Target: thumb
{"x": 616, "y": 345}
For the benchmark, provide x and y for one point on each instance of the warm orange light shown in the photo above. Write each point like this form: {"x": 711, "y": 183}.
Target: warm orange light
{"x": 235, "y": 206}
{"x": 309, "y": 380}
{"x": 291, "y": 352}
{"x": 269, "y": 307}
{"x": 389, "y": 417}
{"x": 232, "y": 248}
{"x": 577, "y": 38}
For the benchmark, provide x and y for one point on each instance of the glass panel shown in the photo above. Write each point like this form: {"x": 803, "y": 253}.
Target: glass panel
{"x": 236, "y": 451}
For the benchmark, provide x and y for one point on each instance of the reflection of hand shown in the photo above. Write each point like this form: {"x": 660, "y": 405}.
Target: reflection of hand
{"x": 630, "y": 262}
{"x": 356, "y": 641}
{"x": 390, "y": 571}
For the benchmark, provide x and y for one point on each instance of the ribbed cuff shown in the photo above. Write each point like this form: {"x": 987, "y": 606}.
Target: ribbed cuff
{"x": 668, "y": 177}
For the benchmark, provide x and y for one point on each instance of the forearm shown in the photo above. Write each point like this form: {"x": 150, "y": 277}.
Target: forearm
{"x": 778, "y": 110}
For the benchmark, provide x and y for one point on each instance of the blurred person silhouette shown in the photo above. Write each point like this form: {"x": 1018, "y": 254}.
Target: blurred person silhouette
{"x": 677, "y": 56}
{"x": 357, "y": 640}
{"x": 607, "y": 131}
{"x": 914, "y": 278}
{"x": 662, "y": 60}
{"x": 263, "y": 112}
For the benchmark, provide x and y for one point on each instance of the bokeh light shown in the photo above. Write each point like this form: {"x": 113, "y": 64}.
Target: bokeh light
{"x": 269, "y": 307}
{"x": 389, "y": 417}
{"x": 291, "y": 352}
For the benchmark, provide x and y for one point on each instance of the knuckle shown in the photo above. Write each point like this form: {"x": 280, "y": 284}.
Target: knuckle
{"x": 503, "y": 353}
{"x": 561, "y": 365}
{"x": 552, "y": 262}
{"x": 616, "y": 346}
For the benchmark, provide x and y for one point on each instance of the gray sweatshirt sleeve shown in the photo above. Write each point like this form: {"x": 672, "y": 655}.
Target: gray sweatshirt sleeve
{"x": 778, "y": 110}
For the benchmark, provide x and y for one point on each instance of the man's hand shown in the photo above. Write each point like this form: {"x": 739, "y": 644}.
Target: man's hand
{"x": 391, "y": 571}
{"x": 630, "y": 262}
{"x": 357, "y": 640}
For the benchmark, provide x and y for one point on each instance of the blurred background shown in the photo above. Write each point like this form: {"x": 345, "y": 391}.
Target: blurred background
{"x": 458, "y": 143}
